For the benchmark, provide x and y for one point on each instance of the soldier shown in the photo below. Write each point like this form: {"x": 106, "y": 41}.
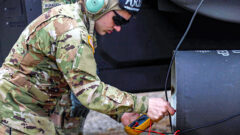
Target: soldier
{"x": 52, "y": 64}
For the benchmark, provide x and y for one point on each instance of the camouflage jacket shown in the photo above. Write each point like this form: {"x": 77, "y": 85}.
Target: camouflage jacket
{"x": 51, "y": 58}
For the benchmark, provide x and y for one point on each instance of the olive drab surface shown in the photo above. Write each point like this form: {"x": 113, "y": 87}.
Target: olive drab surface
{"x": 52, "y": 59}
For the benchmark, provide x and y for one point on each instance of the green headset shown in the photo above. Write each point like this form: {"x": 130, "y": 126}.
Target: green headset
{"x": 95, "y": 6}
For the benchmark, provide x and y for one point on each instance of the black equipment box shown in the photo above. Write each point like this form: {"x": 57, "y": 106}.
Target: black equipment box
{"x": 205, "y": 88}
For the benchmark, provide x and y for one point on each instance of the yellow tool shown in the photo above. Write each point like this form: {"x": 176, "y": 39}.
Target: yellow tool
{"x": 139, "y": 125}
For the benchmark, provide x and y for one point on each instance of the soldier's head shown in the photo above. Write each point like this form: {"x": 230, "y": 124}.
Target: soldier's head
{"x": 110, "y": 15}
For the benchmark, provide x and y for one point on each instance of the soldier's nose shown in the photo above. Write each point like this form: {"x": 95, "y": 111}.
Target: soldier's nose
{"x": 117, "y": 28}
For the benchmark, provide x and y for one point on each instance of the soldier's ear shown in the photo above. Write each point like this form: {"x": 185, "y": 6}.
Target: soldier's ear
{"x": 96, "y": 6}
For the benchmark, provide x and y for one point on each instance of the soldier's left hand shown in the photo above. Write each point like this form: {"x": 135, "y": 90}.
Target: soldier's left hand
{"x": 128, "y": 118}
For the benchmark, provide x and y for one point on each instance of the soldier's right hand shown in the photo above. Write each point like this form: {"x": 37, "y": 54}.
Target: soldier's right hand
{"x": 158, "y": 108}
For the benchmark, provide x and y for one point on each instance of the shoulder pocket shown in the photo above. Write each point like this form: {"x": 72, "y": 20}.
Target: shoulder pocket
{"x": 85, "y": 60}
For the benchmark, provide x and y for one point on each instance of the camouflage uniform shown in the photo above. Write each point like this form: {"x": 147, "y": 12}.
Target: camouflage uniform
{"x": 51, "y": 59}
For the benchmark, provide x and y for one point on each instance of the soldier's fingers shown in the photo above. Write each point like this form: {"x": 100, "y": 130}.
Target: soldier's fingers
{"x": 171, "y": 110}
{"x": 159, "y": 118}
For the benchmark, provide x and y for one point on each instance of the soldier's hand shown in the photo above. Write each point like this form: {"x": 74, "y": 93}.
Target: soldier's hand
{"x": 128, "y": 118}
{"x": 158, "y": 108}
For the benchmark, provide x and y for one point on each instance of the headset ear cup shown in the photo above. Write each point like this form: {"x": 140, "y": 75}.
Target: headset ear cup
{"x": 94, "y": 6}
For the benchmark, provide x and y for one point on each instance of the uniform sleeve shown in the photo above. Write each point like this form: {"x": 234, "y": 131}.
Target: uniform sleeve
{"x": 76, "y": 61}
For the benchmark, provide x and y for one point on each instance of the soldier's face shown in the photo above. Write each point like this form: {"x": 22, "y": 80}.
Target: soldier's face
{"x": 105, "y": 24}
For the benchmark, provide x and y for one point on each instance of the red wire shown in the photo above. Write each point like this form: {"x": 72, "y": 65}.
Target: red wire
{"x": 149, "y": 132}
{"x": 177, "y": 132}
{"x": 136, "y": 124}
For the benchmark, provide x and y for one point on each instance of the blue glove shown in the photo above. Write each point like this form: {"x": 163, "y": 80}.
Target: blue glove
{"x": 77, "y": 108}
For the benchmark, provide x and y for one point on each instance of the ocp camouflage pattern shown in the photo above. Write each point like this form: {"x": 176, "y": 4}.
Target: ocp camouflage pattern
{"x": 51, "y": 59}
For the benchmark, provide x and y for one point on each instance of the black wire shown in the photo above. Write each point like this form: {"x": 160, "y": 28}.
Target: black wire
{"x": 203, "y": 126}
{"x": 211, "y": 124}
{"x": 179, "y": 44}
{"x": 169, "y": 68}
